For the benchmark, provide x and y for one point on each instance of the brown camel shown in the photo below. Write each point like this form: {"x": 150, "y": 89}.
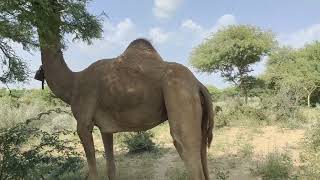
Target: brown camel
{"x": 133, "y": 92}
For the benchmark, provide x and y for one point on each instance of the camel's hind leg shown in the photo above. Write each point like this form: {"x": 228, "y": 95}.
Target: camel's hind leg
{"x": 184, "y": 115}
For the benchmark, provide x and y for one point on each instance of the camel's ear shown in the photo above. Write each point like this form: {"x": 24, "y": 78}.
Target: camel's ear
{"x": 39, "y": 74}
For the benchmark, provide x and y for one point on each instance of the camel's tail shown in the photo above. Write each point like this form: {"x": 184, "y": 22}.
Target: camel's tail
{"x": 206, "y": 126}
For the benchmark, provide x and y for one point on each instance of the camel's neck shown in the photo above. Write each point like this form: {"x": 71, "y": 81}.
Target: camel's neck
{"x": 59, "y": 77}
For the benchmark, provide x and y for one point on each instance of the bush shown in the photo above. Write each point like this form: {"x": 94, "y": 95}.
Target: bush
{"x": 27, "y": 152}
{"x": 176, "y": 174}
{"x": 246, "y": 150}
{"x": 310, "y": 164}
{"x": 284, "y": 104}
{"x": 313, "y": 137}
{"x": 44, "y": 96}
{"x": 222, "y": 174}
{"x": 311, "y": 115}
{"x": 19, "y": 105}
{"x": 16, "y": 110}
{"x": 138, "y": 142}
{"x": 310, "y": 156}
{"x": 234, "y": 113}
{"x": 10, "y": 116}
{"x": 214, "y": 92}
{"x": 275, "y": 165}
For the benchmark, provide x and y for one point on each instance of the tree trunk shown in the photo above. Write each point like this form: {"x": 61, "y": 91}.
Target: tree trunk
{"x": 242, "y": 86}
{"x": 309, "y": 96}
{"x": 244, "y": 93}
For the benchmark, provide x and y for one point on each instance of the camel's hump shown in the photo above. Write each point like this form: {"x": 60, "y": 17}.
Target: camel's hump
{"x": 139, "y": 51}
{"x": 141, "y": 44}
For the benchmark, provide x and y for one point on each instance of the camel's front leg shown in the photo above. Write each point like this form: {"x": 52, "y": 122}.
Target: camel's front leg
{"x": 108, "y": 147}
{"x": 85, "y": 134}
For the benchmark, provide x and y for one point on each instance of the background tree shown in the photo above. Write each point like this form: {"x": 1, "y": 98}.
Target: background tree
{"x": 309, "y": 68}
{"x": 295, "y": 68}
{"x": 257, "y": 87}
{"x": 18, "y": 25}
{"x": 231, "y": 51}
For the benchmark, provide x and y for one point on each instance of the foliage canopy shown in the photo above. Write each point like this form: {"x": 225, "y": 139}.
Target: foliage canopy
{"x": 21, "y": 19}
{"x": 295, "y": 69}
{"x": 231, "y": 51}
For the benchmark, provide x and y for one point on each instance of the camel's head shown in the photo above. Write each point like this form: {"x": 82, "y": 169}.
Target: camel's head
{"x": 39, "y": 74}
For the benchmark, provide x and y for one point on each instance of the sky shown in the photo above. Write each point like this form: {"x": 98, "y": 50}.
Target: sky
{"x": 175, "y": 27}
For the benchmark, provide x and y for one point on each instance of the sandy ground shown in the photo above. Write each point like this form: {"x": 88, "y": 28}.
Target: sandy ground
{"x": 227, "y": 158}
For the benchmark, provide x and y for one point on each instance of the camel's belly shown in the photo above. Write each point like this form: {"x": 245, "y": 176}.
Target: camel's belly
{"x": 136, "y": 119}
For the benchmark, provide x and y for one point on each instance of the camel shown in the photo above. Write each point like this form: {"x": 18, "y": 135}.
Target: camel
{"x": 135, "y": 91}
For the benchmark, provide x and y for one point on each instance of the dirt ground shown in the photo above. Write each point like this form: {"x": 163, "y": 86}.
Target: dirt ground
{"x": 231, "y": 156}
{"x": 226, "y": 156}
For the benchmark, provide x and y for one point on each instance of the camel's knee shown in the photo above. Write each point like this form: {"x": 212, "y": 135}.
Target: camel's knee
{"x": 84, "y": 127}
{"x": 84, "y": 130}
{"x": 85, "y": 135}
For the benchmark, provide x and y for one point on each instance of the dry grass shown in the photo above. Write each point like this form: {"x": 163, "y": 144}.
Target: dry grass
{"x": 235, "y": 152}
{"x": 232, "y": 155}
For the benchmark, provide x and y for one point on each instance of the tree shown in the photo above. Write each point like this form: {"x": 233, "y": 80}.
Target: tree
{"x": 19, "y": 22}
{"x": 295, "y": 68}
{"x": 309, "y": 66}
{"x": 231, "y": 51}
{"x": 257, "y": 88}
{"x": 231, "y": 91}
